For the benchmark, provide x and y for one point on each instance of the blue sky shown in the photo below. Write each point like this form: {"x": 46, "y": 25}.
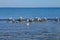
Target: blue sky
{"x": 29, "y": 3}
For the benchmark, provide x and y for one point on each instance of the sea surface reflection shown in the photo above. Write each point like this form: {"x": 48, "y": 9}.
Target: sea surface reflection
{"x": 35, "y": 31}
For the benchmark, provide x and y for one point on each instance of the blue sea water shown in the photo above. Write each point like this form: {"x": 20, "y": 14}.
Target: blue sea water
{"x": 36, "y": 30}
{"x": 29, "y": 12}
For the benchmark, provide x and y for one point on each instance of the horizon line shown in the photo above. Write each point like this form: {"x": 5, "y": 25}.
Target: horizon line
{"x": 29, "y": 7}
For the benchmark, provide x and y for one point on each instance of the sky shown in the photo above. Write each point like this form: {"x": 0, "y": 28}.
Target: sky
{"x": 29, "y": 3}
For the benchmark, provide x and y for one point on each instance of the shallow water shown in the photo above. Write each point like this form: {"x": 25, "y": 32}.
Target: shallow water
{"x": 35, "y": 31}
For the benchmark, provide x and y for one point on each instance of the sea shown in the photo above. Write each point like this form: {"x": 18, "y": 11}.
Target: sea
{"x": 49, "y": 30}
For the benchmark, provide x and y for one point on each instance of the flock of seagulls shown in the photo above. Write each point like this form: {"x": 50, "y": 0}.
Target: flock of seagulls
{"x": 21, "y": 19}
{"x": 32, "y": 19}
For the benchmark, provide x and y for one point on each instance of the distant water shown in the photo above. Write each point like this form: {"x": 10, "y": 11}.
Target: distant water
{"x": 29, "y": 12}
{"x": 36, "y": 30}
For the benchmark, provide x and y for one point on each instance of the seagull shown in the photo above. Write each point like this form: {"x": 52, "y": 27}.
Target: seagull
{"x": 11, "y": 20}
{"x": 45, "y": 19}
{"x": 57, "y": 19}
{"x": 31, "y": 20}
{"x": 20, "y": 19}
{"x": 38, "y": 19}
{"x": 27, "y": 24}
